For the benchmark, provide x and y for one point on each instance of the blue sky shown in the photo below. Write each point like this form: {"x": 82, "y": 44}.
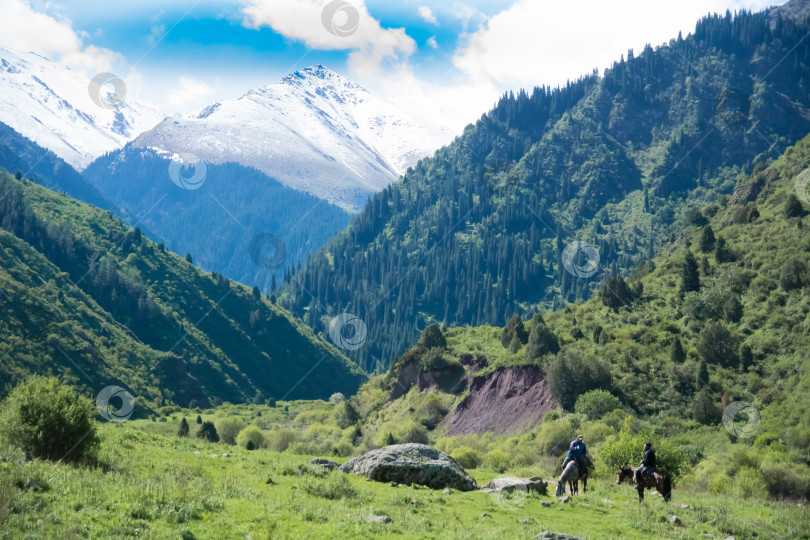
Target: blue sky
{"x": 446, "y": 60}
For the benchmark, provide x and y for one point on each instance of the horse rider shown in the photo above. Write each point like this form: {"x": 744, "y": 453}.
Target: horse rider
{"x": 647, "y": 464}
{"x": 576, "y": 452}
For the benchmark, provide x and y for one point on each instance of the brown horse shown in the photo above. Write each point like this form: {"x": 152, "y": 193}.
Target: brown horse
{"x": 659, "y": 481}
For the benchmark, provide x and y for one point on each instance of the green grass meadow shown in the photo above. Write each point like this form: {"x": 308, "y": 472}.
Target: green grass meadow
{"x": 151, "y": 485}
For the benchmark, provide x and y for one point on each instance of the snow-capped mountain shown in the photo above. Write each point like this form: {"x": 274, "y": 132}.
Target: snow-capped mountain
{"x": 50, "y": 104}
{"x": 314, "y": 131}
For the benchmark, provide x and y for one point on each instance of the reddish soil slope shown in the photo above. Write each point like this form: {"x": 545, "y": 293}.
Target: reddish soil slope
{"x": 504, "y": 402}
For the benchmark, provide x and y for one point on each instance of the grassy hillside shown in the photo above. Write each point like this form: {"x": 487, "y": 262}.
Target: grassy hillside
{"x": 156, "y": 485}
{"x": 478, "y": 231}
{"x": 83, "y": 294}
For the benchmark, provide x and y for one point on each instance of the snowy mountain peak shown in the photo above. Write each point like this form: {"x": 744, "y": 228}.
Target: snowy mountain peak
{"x": 314, "y": 130}
{"x": 50, "y": 104}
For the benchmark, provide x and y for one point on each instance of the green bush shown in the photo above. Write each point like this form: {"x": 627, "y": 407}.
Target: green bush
{"x": 412, "y": 432}
{"x": 629, "y": 449}
{"x": 792, "y": 274}
{"x": 569, "y": 375}
{"x": 208, "y": 432}
{"x": 48, "y": 420}
{"x": 332, "y": 488}
{"x": 466, "y": 457}
{"x": 555, "y": 436}
{"x": 748, "y": 483}
{"x": 497, "y": 459}
{"x": 280, "y": 439}
{"x": 783, "y": 481}
{"x": 250, "y": 434}
{"x": 228, "y": 428}
{"x": 597, "y": 403}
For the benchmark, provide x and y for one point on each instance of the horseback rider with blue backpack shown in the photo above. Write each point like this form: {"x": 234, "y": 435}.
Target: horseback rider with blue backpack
{"x": 577, "y": 452}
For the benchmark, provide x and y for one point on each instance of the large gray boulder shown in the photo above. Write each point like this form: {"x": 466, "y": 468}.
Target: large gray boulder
{"x": 509, "y": 485}
{"x": 411, "y": 464}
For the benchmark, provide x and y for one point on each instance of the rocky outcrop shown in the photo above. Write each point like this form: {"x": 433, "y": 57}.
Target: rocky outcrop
{"x": 535, "y": 484}
{"x": 325, "y": 463}
{"x": 503, "y": 402}
{"x": 411, "y": 464}
{"x": 409, "y": 375}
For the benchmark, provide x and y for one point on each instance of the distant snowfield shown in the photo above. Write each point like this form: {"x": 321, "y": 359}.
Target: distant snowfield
{"x": 314, "y": 131}
{"x": 51, "y": 105}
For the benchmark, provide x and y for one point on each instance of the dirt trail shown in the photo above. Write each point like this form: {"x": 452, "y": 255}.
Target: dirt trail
{"x": 504, "y": 402}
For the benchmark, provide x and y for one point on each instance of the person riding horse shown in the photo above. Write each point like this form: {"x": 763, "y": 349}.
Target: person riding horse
{"x": 577, "y": 452}
{"x": 648, "y": 464}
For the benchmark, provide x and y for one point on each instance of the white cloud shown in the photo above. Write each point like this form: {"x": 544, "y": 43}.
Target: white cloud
{"x": 533, "y": 43}
{"x": 24, "y": 29}
{"x": 348, "y": 26}
{"x": 431, "y": 41}
{"x": 190, "y": 93}
{"x": 427, "y": 14}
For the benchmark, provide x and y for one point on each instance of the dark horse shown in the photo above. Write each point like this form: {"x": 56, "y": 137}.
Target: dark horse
{"x": 659, "y": 481}
{"x": 572, "y": 475}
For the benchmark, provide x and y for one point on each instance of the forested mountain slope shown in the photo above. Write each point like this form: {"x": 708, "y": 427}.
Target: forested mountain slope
{"x": 88, "y": 298}
{"x": 720, "y": 315}
{"x": 222, "y": 219}
{"x": 478, "y": 232}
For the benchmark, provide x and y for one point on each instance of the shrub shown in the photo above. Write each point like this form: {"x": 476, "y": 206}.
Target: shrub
{"x": 541, "y": 341}
{"x": 497, "y": 459}
{"x": 748, "y": 483}
{"x": 793, "y": 207}
{"x": 690, "y": 277}
{"x": 704, "y": 409}
{"x": 616, "y": 293}
{"x": 597, "y": 403}
{"x": 514, "y": 328}
{"x": 570, "y": 375}
{"x": 48, "y": 420}
{"x": 208, "y": 432}
{"x": 337, "y": 397}
{"x": 782, "y": 481}
{"x": 676, "y": 352}
{"x": 717, "y": 345}
{"x": 412, "y": 432}
{"x": 228, "y": 428}
{"x": 199, "y": 419}
{"x": 250, "y": 435}
{"x": 696, "y": 217}
{"x": 791, "y": 275}
{"x": 707, "y": 239}
{"x": 346, "y": 415}
{"x": 280, "y": 439}
{"x": 431, "y": 411}
{"x": 554, "y": 437}
{"x": 184, "y": 429}
{"x": 550, "y": 416}
{"x": 466, "y": 457}
{"x": 332, "y": 488}
{"x": 432, "y": 337}
{"x": 629, "y": 449}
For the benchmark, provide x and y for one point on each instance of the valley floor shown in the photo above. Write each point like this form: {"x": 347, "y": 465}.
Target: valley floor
{"x": 155, "y": 486}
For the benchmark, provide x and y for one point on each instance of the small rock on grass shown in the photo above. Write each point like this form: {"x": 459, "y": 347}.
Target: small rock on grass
{"x": 564, "y": 499}
{"x": 675, "y": 520}
{"x": 379, "y": 519}
{"x": 447, "y": 491}
{"x": 686, "y": 507}
{"x": 486, "y": 516}
{"x": 556, "y": 536}
{"x": 608, "y": 501}
{"x": 526, "y": 520}
{"x": 545, "y": 504}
